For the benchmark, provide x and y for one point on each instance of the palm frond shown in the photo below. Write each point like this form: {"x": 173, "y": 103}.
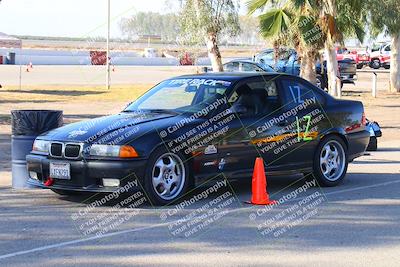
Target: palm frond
{"x": 274, "y": 22}
{"x": 254, "y": 5}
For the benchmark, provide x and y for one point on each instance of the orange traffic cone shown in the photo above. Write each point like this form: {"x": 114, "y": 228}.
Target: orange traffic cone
{"x": 259, "y": 192}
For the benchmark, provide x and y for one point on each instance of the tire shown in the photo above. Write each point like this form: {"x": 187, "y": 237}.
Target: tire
{"x": 319, "y": 82}
{"x": 162, "y": 177}
{"x": 325, "y": 159}
{"x": 373, "y": 144}
{"x": 360, "y": 66}
{"x": 387, "y": 67}
{"x": 375, "y": 64}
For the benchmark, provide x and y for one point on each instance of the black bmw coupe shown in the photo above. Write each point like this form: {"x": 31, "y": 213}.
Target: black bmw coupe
{"x": 192, "y": 127}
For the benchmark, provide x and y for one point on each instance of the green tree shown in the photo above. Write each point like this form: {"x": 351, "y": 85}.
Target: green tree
{"x": 207, "y": 20}
{"x": 291, "y": 23}
{"x": 384, "y": 16}
{"x": 311, "y": 25}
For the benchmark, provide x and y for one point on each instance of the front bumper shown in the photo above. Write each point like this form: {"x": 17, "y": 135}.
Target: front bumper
{"x": 87, "y": 175}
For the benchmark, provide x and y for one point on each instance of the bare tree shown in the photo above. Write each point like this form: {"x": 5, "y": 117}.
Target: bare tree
{"x": 205, "y": 21}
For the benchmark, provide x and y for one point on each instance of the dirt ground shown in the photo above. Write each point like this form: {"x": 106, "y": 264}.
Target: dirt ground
{"x": 86, "y": 102}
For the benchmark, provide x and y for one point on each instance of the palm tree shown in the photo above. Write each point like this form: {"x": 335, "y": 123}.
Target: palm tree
{"x": 311, "y": 25}
{"x": 289, "y": 24}
{"x": 338, "y": 19}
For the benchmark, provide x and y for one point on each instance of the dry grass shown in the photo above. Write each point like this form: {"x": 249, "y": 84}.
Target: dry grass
{"x": 43, "y": 93}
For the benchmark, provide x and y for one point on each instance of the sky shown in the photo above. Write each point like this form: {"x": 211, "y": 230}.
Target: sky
{"x": 74, "y": 18}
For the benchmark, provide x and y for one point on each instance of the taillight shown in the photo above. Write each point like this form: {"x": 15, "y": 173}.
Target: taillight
{"x": 363, "y": 119}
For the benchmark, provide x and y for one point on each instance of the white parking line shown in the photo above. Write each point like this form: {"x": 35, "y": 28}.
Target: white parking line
{"x": 77, "y": 241}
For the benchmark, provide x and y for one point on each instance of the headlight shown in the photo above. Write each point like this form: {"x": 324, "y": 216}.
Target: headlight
{"x": 113, "y": 151}
{"x": 41, "y": 146}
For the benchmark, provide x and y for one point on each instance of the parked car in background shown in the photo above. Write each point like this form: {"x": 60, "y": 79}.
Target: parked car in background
{"x": 374, "y": 132}
{"x": 360, "y": 58}
{"x": 287, "y": 62}
{"x": 246, "y": 65}
{"x": 380, "y": 55}
{"x": 348, "y": 70}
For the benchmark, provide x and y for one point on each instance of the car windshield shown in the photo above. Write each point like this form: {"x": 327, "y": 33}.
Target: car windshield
{"x": 181, "y": 95}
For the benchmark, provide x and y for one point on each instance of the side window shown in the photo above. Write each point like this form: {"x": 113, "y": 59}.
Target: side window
{"x": 232, "y": 67}
{"x": 250, "y": 67}
{"x": 300, "y": 93}
{"x": 387, "y": 48}
{"x": 258, "y": 98}
{"x": 265, "y": 57}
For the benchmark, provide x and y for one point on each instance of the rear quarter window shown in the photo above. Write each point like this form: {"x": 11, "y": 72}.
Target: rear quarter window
{"x": 298, "y": 92}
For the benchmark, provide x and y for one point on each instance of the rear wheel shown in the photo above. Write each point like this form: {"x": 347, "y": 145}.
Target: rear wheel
{"x": 360, "y": 66}
{"x": 167, "y": 176}
{"x": 386, "y": 67}
{"x": 321, "y": 83}
{"x": 330, "y": 161}
{"x": 375, "y": 64}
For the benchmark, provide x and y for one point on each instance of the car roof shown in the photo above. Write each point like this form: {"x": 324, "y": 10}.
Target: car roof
{"x": 242, "y": 60}
{"x": 230, "y": 76}
{"x": 269, "y": 50}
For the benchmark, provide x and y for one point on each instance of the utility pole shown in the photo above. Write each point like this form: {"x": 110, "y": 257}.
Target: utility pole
{"x": 108, "y": 47}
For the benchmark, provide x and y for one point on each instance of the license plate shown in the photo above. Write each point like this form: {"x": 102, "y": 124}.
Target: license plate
{"x": 60, "y": 170}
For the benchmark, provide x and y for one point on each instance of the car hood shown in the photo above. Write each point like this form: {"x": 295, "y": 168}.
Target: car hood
{"x": 102, "y": 130}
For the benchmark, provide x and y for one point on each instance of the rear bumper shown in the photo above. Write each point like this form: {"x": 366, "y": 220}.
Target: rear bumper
{"x": 363, "y": 62}
{"x": 88, "y": 175}
{"x": 358, "y": 143}
{"x": 348, "y": 78}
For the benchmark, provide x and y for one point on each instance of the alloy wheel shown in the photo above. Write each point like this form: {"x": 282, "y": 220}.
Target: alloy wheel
{"x": 168, "y": 176}
{"x": 332, "y": 160}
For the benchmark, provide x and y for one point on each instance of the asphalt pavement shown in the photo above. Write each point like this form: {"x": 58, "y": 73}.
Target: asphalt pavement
{"x": 354, "y": 224}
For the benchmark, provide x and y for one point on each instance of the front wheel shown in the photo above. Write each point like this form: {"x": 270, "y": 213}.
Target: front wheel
{"x": 330, "y": 161}
{"x": 167, "y": 176}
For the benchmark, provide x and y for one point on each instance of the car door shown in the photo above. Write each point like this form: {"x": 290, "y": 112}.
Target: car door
{"x": 306, "y": 120}
{"x": 255, "y": 102}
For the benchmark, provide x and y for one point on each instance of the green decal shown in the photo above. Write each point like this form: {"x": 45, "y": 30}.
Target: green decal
{"x": 304, "y": 136}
